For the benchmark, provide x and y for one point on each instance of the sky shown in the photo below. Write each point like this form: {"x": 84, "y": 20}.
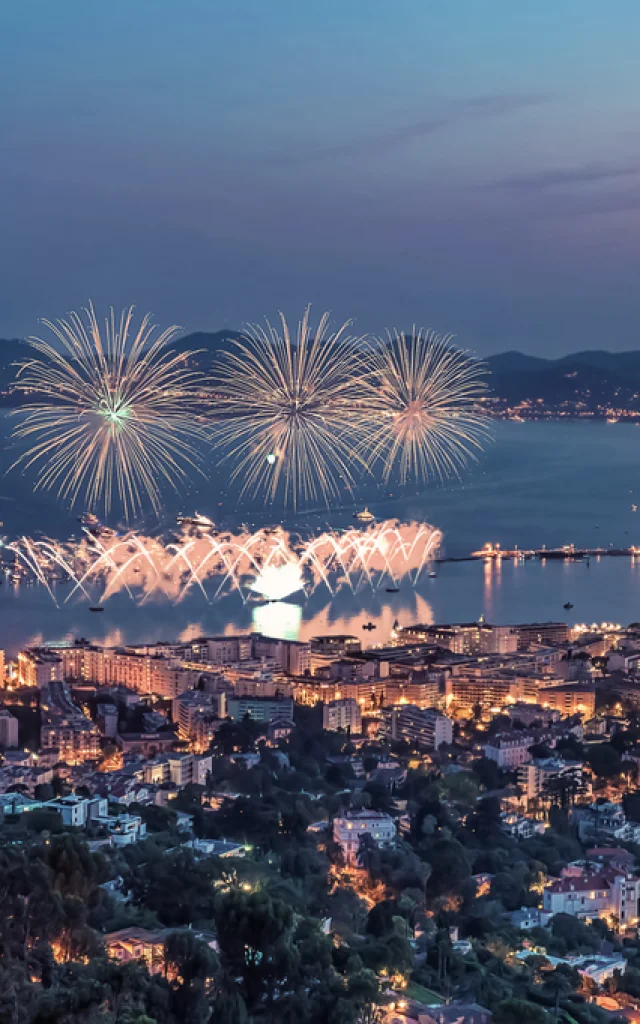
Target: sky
{"x": 471, "y": 167}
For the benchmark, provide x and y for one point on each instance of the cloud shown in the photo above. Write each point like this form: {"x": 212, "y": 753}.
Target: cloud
{"x": 454, "y": 112}
{"x": 583, "y": 174}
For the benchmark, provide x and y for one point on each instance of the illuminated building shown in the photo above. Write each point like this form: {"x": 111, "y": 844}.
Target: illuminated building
{"x": 38, "y": 666}
{"x": 535, "y": 776}
{"x": 426, "y": 728}
{"x": 347, "y": 832}
{"x": 530, "y": 634}
{"x": 342, "y": 714}
{"x": 510, "y": 750}
{"x": 570, "y": 699}
{"x": 609, "y": 892}
{"x": 464, "y": 638}
{"x": 259, "y": 709}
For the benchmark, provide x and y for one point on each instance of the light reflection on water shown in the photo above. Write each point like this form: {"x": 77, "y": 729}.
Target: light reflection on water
{"x": 507, "y": 592}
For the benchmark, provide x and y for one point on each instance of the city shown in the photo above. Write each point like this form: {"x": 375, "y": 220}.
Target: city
{"x": 319, "y": 534}
{"x": 459, "y": 806}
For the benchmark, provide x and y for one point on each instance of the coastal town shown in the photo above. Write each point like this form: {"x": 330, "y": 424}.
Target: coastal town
{"x": 449, "y": 821}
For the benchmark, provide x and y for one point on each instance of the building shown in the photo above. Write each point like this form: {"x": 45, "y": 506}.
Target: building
{"x": 194, "y": 710}
{"x": 509, "y": 750}
{"x": 348, "y": 831}
{"x": 533, "y": 634}
{"x": 343, "y": 714}
{"x": 570, "y": 699}
{"x": 605, "y": 822}
{"x": 77, "y": 811}
{"x": 520, "y": 827}
{"x": 421, "y": 727}
{"x": 416, "y": 689}
{"x": 260, "y": 709}
{"x": 38, "y": 666}
{"x": 8, "y": 729}
{"x": 609, "y": 892}
{"x": 465, "y": 638}
{"x": 538, "y": 776}
{"x": 134, "y": 943}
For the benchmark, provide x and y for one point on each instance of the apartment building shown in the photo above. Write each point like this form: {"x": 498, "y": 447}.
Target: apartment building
{"x": 421, "y": 727}
{"x": 344, "y": 714}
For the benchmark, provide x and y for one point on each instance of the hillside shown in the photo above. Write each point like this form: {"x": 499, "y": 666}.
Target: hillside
{"x": 595, "y": 378}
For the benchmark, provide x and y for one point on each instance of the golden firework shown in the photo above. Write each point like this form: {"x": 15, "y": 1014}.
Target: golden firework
{"x": 288, "y": 409}
{"x": 425, "y": 415}
{"x": 110, "y": 411}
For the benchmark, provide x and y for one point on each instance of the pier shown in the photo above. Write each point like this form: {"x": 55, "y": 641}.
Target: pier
{"x": 568, "y": 553}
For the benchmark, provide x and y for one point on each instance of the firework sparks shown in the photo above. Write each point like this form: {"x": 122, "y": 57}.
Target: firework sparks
{"x": 289, "y": 409}
{"x": 427, "y": 417}
{"x": 270, "y": 562}
{"x": 111, "y": 411}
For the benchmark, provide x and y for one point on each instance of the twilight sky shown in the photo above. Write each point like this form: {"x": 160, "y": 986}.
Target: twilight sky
{"x": 469, "y": 166}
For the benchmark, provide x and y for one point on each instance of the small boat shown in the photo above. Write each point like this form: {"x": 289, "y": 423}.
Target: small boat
{"x": 365, "y": 516}
{"x": 392, "y": 590}
{"x": 634, "y": 508}
{"x": 369, "y": 625}
{"x": 96, "y": 608}
{"x": 432, "y": 574}
{"x": 567, "y": 605}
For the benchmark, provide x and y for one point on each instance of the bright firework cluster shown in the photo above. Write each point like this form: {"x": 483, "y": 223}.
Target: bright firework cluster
{"x": 112, "y": 413}
{"x": 270, "y": 563}
{"x": 314, "y": 410}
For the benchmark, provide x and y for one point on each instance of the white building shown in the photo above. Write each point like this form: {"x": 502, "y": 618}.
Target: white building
{"x": 347, "y": 832}
{"x": 78, "y": 811}
{"x": 342, "y": 714}
{"x": 509, "y": 751}
{"x": 608, "y": 892}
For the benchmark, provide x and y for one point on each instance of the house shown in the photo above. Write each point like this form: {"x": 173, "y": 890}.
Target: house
{"x": 519, "y": 827}
{"x": 347, "y": 832}
{"x": 133, "y": 943}
{"x": 609, "y": 892}
{"x": 529, "y": 917}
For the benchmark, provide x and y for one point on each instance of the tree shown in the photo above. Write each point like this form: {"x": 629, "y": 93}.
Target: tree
{"x": 520, "y": 1011}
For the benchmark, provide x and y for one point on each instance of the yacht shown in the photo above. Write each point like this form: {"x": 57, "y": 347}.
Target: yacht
{"x": 203, "y": 522}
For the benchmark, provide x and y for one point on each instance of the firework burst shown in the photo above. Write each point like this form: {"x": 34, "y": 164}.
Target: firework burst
{"x": 110, "y": 411}
{"x": 288, "y": 409}
{"x": 426, "y": 418}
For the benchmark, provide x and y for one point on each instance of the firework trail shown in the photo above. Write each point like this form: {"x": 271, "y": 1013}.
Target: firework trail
{"x": 269, "y": 562}
{"x": 426, "y": 418}
{"x": 289, "y": 409}
{"x": 110, "y": 413}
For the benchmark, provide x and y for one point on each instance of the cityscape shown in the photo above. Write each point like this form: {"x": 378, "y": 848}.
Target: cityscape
{"x": 319, "y": 534}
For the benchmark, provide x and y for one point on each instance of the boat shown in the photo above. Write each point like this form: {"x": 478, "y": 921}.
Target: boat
{"x": 96, "y": 608}
{"x": 634, "y": 508}
{"x": 432, "y": 574}
{"x": 392, "y": 590}
{"x": 567, "y": 605}
{"x": 200, "y": 521}
{"x": 89, "y": 520}
{"x": 369, "y": 625}
{"x": 365, "y": 516}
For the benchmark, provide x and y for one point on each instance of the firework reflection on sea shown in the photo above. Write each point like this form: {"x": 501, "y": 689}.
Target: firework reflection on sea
{"x": 267, "y": 564}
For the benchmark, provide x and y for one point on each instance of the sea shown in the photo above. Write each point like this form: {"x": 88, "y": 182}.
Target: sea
{"x": 537, "y": 483}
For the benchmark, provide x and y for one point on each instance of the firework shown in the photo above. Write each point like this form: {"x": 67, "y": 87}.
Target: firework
{"x": 270, "y": 562}
{"x": 427, "y": 417}
{"x": 288, "y": 408}
{"x": 111, "y": 411}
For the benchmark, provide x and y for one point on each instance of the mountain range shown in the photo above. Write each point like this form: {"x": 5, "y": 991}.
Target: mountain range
{"x": 595, "y": 377}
